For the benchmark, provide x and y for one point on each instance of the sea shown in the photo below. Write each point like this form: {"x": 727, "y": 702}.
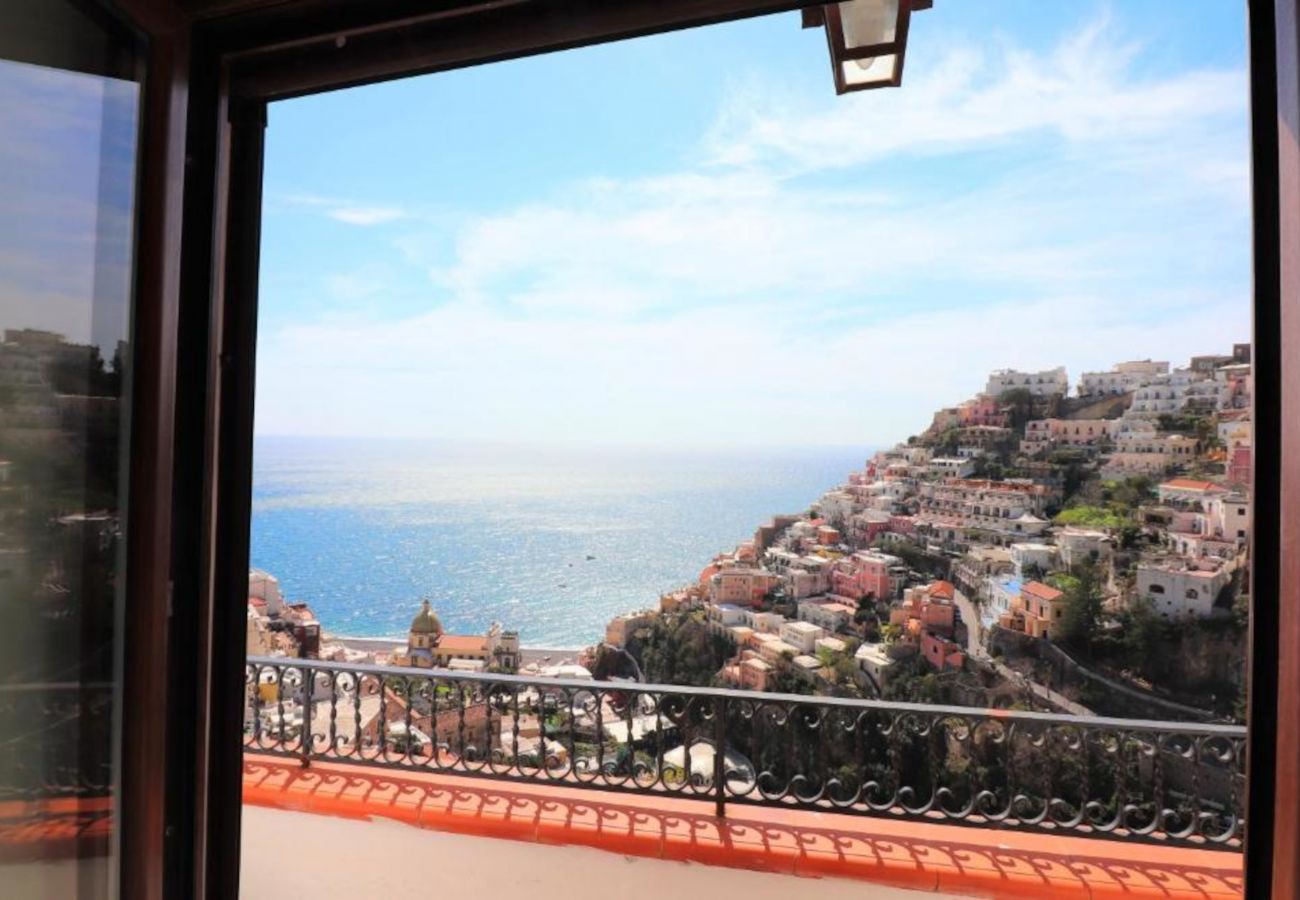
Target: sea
{"x": 551, "y": 541}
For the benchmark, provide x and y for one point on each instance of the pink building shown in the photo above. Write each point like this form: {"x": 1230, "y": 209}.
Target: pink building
{"x": 982, "y": 410}
{"x": 741, "y": 585}
{"x": 937, "y": 617}
{"x": 941, "y": 652}
{"x": 1240, "y": 467}
{"x": 862, "y": 574}
{"x": 870, "y": 529}
{"x": 937, "y": 611}
{"x": 754, "y": 673}
{"x": 926, "y": 609}
{"x": 828, "y": 536}
{"x": 905, "y": 525}
{"x": 1042, "y": 434}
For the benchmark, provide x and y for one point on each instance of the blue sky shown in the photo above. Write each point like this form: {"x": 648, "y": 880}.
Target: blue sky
{"x": 688, "y": 238}
{"x": 67, "y": 177}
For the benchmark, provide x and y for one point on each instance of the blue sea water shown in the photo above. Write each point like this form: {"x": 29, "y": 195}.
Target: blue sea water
{"x": 551, "y": 542}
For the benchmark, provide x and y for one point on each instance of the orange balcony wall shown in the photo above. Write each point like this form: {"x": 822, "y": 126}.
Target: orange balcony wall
{"x": 948, "y": 859}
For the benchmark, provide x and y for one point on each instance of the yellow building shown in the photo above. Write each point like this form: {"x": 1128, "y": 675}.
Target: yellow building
{"x": 1044, "y": 606}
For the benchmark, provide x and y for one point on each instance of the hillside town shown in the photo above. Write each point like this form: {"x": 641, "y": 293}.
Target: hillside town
{"x": 1079, "y": 550}
{"x": 1035, "y": 547}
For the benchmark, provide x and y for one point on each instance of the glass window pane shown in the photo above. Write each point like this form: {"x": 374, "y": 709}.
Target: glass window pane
{"x": 67, "y": 179}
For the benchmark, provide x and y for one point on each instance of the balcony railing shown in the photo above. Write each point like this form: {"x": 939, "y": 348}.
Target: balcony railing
{"x": 1177, "y": 783}
{"x": 58, "y": 740}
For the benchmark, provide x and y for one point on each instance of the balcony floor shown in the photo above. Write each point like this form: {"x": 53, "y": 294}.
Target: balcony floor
{"x": 777, "y": 843}
{"x": 347, "y": 859}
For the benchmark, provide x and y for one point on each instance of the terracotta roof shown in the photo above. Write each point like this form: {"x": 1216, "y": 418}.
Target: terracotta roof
{"x": 1189, "y": 484}
{"x": 942, "y": 590}
{"x": 301, "y": 613}
{"x": 1041, "y": 591}
{"x": 462, "y": 643}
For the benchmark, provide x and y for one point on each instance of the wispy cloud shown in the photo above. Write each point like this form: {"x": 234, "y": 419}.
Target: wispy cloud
{"x": 822, "y": 271}
{"x": 1083, "y": 91}
{"x": 365, "y": 215}
{"x": 339, "y": 210}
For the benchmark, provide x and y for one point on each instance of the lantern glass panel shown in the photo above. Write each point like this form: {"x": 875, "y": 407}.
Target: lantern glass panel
{"x": 867, "y": 23}
{"x": 875, "y": 70}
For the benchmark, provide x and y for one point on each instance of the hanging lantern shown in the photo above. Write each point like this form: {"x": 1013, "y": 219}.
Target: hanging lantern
{"x": 867, "y": 40}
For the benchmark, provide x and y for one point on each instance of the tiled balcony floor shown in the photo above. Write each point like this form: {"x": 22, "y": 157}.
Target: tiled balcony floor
{"x": 342, "y": 859}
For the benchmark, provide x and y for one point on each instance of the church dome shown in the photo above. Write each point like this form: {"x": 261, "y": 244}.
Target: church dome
{"x": 425, "y": 622}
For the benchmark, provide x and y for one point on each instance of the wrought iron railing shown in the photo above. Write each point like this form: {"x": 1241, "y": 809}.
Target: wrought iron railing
{"x": 56, "y": 740}
{"x": 1168, "y": 781}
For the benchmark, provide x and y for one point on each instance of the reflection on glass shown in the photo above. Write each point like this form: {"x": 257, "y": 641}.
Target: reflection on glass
{"x": 67, "y": 173}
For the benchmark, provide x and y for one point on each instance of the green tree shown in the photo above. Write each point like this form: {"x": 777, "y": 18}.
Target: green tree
{"x": 948, "y": 443}
{"x": 1034, "y": 572}
{"x": 1091, "y": 517}
{"x": 1130, "y": 493}
{"x": 681, "y": 650}
{"x": 785, "y": 681}
{"x": 1081, "y": 619}
{"x": 1143, "y": 633}
{"x": 916, "y": 557}
{"x": 1129, "y": 536}
{"x": 866, "y": 611}
{"x": 1020, "y": 407}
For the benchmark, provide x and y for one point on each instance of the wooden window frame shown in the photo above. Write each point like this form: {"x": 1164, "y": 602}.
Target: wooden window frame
{"x": 213, "y": 67}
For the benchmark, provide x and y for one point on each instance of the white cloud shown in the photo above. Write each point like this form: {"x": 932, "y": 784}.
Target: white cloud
{"x": 337, "y": 209}
{"x": 365, "y": 215}
{"x": 1084, "y": 91}
{"x": 823, "y": 275}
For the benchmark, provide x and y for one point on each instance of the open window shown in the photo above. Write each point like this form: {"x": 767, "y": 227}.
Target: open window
{"x": 165, "y": 534}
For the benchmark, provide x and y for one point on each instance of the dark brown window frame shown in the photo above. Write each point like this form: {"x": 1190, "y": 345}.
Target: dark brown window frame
{"x": 213, "y": 66}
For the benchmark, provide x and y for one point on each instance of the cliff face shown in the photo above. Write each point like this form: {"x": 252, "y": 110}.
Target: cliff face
{"x": 1207, "y": 665}
{"x": 1201, "y": 659}
{"x": 1099, "y": 408}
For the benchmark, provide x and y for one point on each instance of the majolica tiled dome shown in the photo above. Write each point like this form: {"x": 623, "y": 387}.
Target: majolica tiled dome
{"x": 425, "y": 622}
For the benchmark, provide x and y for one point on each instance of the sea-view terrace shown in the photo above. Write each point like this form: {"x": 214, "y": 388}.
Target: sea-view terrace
{"x": 961, "y": 800}
{"x": 585, "y": 450}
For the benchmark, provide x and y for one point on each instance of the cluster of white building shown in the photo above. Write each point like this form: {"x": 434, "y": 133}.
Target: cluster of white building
{"x": 1124, "y": 378}
{"x": 1133, "y": 443}
{"x": 954, "y": 508}
{"x": 1040, "y": 384}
